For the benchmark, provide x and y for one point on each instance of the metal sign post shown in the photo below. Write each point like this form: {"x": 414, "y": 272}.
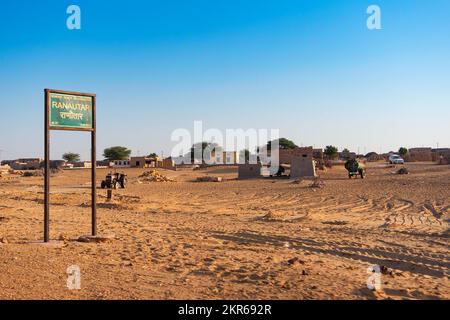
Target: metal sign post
{"x": 70, "y": 111}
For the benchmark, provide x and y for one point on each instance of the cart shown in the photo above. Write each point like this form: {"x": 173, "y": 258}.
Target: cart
{"x": 355, "y": 168}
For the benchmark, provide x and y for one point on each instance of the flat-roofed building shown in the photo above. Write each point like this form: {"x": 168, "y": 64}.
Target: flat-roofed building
{"x": 302, "y": 164}
{"x": 249, "y": 171}
{"x": 420, "y": 154}
{"x": 167, "y": 163}
{"x": 82, "y": 164}
{"x": 121, "y": 163}
{"x": 439, "y": 153}
{"x": 143, "y": 162}
{"x": 137, "y": 162}
{"x": 24, "y": 164}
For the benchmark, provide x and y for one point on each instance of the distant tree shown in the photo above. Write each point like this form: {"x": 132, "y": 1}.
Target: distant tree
{"x": 71, "y": 157}
{"x": 331, "y": 152}
{"x": 403, "y": 151}
{"x": 152, "y": 155}
{"x": 283, "y": 144}
{"x": 203, "y": 145}
{"x": 244, "y": 154}
{"x": 346, "y": 154}
{"x": 116, "y": 153}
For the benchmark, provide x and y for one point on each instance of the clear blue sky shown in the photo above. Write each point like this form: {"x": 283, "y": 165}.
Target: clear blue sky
{"x": 308, "y": 67}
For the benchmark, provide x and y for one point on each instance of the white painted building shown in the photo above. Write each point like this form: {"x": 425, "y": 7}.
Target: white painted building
{"x": 122, "y": 164}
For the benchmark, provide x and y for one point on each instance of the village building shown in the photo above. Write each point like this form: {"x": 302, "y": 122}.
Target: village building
{"x": 230, "y": 157}
{"x": 104, "y": 163}
{"x": 249, "y": 171}
{"x": 143, "y": 162}
{"x": 58, "y": 164}
{"x": 303, "y": 164}
{"x": 82, "y": 164}
{"x": 419, "y": 154}
{"x": 318, "y": 155}
{"x": 373, "y": 156}
{"x": 23, "y": 164}
{"x": 137, "y": 162}
{"x": 219, "y": 157}
{"x": 121, "y": 163}
{"x": 183, "y": 160}
{"x": 167, "y": 163}
{"x": 440, "y": 153}
{"x": 286, "y": 155}
{"x": 301, "y": 160}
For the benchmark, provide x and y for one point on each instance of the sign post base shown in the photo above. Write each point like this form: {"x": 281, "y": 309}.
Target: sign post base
{"x": 52, "y": 244}
{"x": 95, "y": 239}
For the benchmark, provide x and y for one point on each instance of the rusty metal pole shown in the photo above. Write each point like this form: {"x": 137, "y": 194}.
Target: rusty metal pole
{"x": 46, "y": 168}
{"x": 94, "y": 167}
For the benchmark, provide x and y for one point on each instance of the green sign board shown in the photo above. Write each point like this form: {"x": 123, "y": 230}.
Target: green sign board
{"x": 69, "y": 111}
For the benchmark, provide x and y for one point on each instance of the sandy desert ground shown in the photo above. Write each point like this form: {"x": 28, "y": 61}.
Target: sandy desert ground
{"x": 253, "y": 239}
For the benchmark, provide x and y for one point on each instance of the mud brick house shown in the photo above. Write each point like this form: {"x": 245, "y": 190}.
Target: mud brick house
{"x": 303, "y": 164}
{"x": 318, "y": 155}
{"x": 104, "y": 163}
{"x": 221, "y": 157}
{"x": 137, "y": 162}
{"x": 419, "y": 154}
{"x": 143, "y": 162}
{"x": 167, "y": 163}
{"x": 24, "y": 164}
{"x": 82, "y": 164}
{"x": 373, "y": 156}
{"x": 249, "y": 171}
{"x": 445, "y": 159}
{"x": 440, "y": 153}
{"x": 286, "y": 155}
{"x": 58, "y": 164}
